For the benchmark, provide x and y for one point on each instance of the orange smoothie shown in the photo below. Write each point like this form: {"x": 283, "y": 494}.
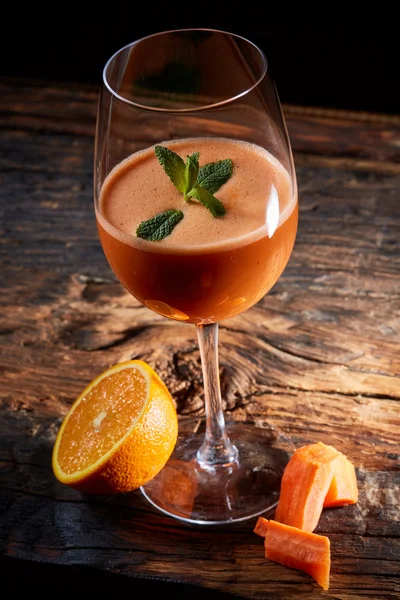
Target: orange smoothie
{"x": 208, "y": 269}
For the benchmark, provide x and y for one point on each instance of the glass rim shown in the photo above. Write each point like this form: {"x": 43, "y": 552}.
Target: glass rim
{"x": 229, "y": 100}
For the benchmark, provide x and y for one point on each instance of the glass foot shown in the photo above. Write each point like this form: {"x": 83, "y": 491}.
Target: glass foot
{"x": 244, "y": 489}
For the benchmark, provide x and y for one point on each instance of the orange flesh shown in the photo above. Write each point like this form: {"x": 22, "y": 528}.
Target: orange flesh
{"x": 101, "y": 419}
{"x": 343, "y": 489}
{"x": 300, "y": 550}
{"x": 305, "y": 484}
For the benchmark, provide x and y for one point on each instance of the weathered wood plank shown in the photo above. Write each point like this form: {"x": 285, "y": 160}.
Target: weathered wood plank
{"x": 318, "y": 357}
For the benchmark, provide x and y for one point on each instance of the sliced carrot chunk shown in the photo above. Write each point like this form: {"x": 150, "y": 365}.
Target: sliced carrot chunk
{"x": 343, "y": 489}
{"x": 261, "y": 526}
{"x": 297, "y": 549}
{"x": 305, "y": 484}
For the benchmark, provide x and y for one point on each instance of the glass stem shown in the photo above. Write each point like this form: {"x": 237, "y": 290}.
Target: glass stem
{"x": 216, "y": 449}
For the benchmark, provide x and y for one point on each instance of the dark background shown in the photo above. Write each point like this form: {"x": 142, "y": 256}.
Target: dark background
{"x": 335, "y": 62}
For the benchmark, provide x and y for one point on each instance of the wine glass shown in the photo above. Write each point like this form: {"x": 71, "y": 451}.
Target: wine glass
{"x": 196, "y": 208}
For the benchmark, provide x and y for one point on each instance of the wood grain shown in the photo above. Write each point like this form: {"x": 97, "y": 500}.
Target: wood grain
{"x": 318, "y": 357}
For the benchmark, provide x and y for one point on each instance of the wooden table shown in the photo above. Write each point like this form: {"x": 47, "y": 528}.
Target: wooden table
{"x": 319, "y": 357}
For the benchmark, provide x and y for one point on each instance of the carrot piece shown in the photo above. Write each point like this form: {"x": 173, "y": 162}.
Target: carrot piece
{"x": 261, "y": 527}
{"x": 297, "y": 549}
{"x": 343, "y": 489}
{"x": 305, "y": 484}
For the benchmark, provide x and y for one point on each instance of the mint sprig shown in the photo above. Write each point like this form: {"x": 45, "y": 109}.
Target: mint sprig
{"x": 194, "y": 182}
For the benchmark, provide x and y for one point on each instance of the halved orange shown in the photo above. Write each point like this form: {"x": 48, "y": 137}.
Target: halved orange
{"x": 119, "y": 433}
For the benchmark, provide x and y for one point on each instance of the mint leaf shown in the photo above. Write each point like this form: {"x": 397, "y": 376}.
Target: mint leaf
{"x": 173, "y": 165}
{"x": 213, "y": 175}
{"x": 191, "y": 172}
{"x": 212, "y": 203}
{"x": 158, "y": 227}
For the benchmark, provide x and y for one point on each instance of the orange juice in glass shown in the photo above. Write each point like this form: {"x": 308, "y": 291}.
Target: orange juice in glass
{"x": 196, "y": 208}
